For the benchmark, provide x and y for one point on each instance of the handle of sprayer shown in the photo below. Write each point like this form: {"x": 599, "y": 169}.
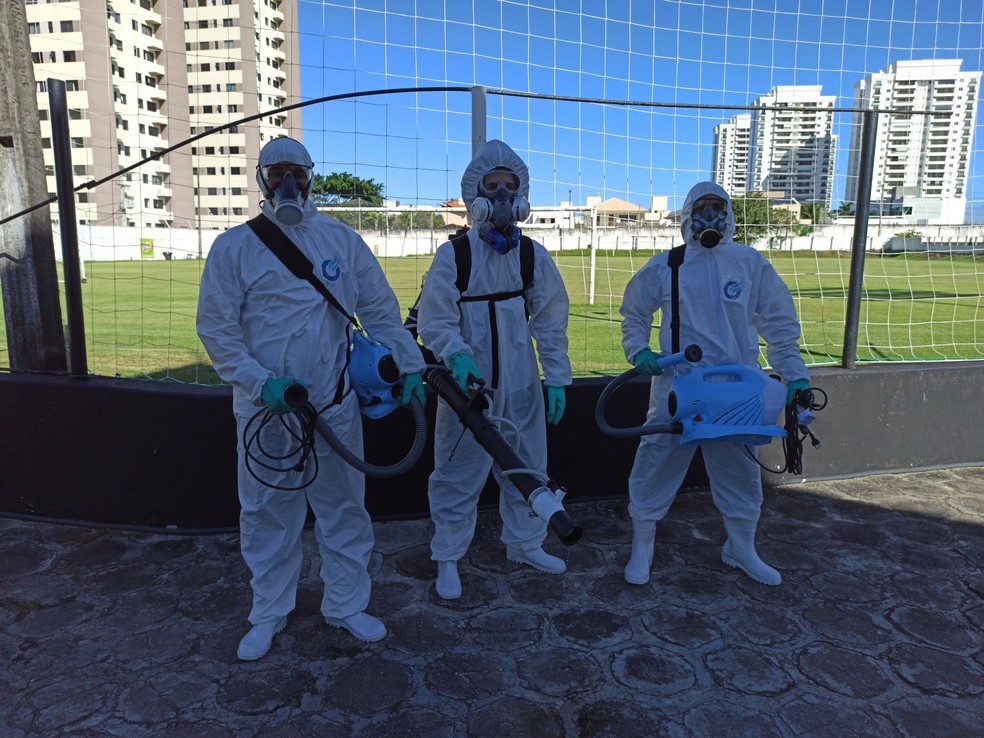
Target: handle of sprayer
{"x": 692, "y": 353}
{"x": 296, "y": 395}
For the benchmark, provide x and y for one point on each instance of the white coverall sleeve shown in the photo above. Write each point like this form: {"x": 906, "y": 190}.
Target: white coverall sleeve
{"x": 438, "y": 315}
{"x": 777, "y": 323}
{"x": 643, "y": 297}
{"x": 218, "y": 321}
{"x": 549, "y": 312}
{"x": 379, "y": 311}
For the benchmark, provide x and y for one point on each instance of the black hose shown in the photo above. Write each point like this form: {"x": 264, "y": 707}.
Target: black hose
{"x": 374, "y": 470}
{"x": 469, "y": 409}
{"x": 674, "y": 427}
{"x": 296, "y": 396}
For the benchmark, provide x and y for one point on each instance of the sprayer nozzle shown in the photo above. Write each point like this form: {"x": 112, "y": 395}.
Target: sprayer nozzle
{"x": 296, "y": 395}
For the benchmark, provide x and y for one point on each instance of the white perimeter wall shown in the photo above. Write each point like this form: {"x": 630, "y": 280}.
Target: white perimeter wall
{"x": 108, "y": 243}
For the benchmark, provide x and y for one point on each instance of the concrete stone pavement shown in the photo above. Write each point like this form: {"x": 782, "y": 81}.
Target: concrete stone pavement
{"x": 877, "y": 629}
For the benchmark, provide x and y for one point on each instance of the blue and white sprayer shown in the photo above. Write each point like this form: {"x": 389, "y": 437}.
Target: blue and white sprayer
{"x": 729, "y": 403}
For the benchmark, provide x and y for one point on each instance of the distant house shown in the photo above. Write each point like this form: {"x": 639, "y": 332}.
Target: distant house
{"x": 455, "y": 213}
{"x": 615, "y": 211}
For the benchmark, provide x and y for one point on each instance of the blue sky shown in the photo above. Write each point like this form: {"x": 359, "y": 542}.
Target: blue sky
{"x": 720, "y": 52}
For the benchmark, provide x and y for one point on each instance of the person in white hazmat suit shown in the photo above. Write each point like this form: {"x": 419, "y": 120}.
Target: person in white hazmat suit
{"x": 265, "y": 328}
{"x": 729, "y": 295}
{"x": 492, "y": 340}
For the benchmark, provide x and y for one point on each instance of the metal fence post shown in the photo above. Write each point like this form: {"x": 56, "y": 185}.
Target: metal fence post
{"x": 479, "y": 100}
{"x": 64, "y": 184}
{"x": 869, "y": 127}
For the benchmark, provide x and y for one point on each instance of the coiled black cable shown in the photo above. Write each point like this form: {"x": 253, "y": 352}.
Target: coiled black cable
{"x": 796, "y": 433}
{"x": 301, "y": 427}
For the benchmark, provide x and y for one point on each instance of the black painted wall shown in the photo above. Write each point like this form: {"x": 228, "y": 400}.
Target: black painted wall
{"x": 136, "y": 453}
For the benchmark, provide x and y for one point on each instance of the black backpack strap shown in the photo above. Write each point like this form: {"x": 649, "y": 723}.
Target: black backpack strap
{"x": 462, "y": 259}
{"x": 673, "y": 261}
{"x": 526, "y": 261}
{"x": 462, "y": 255}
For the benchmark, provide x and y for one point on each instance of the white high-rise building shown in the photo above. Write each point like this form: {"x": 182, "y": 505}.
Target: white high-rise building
{"x": 731, "y": 141}
{"x": 143, "y": 76}
{"x": 921, "y": 162}
{"x": 792, "y": 144}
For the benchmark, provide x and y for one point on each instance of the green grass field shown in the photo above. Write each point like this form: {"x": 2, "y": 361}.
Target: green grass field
{"x": 140, "y": 316}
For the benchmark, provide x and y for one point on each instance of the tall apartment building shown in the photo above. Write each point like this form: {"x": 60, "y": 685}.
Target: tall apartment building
{"x": 731, "y": 149}
{"x": 792, "y": 144}
{"x": 142, "y": 76}
{"x": 921, "y": 162}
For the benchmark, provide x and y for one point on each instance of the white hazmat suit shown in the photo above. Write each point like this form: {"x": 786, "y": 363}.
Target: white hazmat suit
{"x": 498, "y": 336}
{"x": 729, "y": 295}
{"x": 258, "y": 321}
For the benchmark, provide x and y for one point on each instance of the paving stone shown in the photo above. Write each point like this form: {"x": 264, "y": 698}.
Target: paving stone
{"x": 843, "y": 671}
{"x": 876, "y": 629}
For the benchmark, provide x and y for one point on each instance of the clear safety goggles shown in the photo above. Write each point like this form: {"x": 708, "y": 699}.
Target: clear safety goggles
{"x": 276, "y": 172}
{"x": 494, "y": 181}
{"x": 715, "y": 203}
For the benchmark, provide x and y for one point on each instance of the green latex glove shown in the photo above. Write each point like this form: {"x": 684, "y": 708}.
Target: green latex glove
{"x": 795, "y": 386}
{"x": 413, "y": 386}
{"x": 556, "y": 402}
{"x": 272, "y": 394}
{"x": 645, "y": 363}
{"x": 463, "y": 366}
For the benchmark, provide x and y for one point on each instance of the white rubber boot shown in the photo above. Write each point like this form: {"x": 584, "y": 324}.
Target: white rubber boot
{"x": 641, "y": 560}
{"x": 739, "y": 551}
{"x": 448, "y": 582}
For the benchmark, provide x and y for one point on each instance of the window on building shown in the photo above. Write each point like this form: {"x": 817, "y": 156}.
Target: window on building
{"x": 33, "y": 28}
{"x": 67, "y": 26}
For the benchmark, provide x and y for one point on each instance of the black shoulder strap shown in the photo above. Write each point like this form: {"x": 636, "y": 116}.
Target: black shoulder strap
{"x": 462, "y": 259}
{"x": 298, "y": 264}
{"x": 302, "y": 268}
{"x": 526, "y": 261}
{"x": 673, "y": 261}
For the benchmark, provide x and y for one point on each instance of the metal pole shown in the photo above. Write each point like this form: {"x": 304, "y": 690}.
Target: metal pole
{"x": 64, "y": 184}
{"x": 869, "y": 127}
{"x": 594, "y": 254}
{"x": 478, "y": 119}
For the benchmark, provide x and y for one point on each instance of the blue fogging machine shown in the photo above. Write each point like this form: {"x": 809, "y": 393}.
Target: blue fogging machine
{"x": 728, "y": 403}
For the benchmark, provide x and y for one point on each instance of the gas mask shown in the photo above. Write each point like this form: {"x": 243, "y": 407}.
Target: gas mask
{"x": 707, "y": 226}
{"x": 499, "y": 208}
{"x": 288, "y": 199}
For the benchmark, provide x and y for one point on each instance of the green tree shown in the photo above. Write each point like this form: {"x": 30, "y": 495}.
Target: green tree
{"x": 816, "y": 212}
{"x": 752, "y": 217}
{"x": 409, "y": 220}
{"x": 756, "y": 218}
{"x": 342, "y": 188}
